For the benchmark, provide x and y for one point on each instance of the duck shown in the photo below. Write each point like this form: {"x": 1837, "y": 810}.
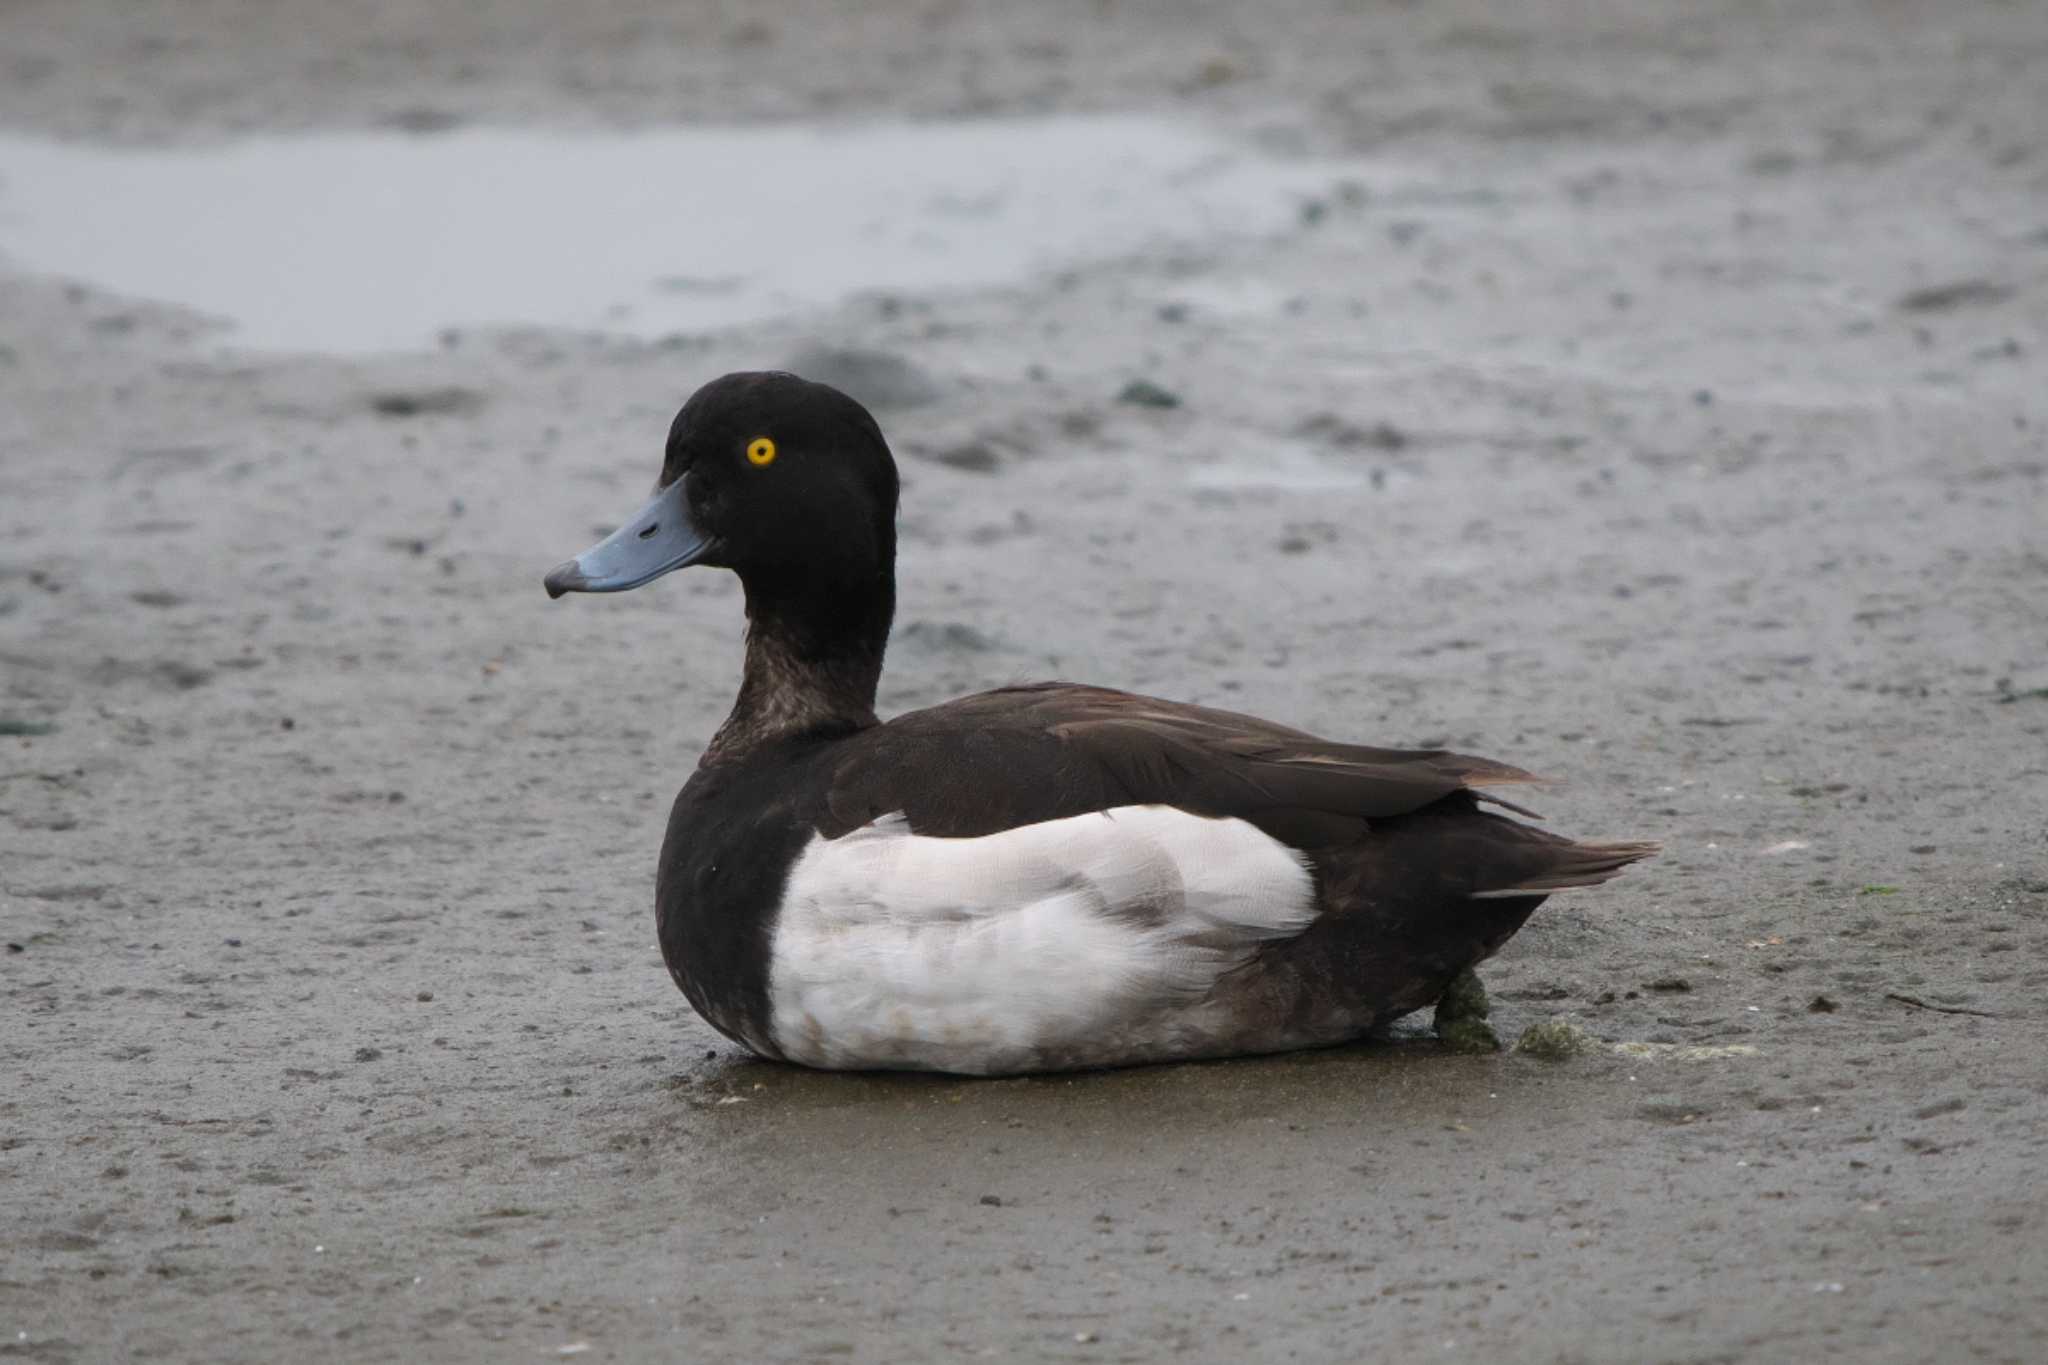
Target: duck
{"x": 1043, "y": 877}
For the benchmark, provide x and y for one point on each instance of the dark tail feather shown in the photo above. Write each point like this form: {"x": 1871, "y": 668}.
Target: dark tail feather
{"x": 1572, "y": 865}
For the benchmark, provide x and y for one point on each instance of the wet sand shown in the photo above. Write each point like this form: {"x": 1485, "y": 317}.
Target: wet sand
{"x": 1656, "y": 404}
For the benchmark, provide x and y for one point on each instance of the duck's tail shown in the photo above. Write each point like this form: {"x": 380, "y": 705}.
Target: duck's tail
{"x": 1567, "y": 865}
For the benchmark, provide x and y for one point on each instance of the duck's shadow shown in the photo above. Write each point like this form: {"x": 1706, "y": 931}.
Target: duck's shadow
{"x": 1402, "y": 1058}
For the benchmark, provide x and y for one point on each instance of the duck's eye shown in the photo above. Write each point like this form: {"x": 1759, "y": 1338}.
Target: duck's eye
{"x": 761, "y": 451}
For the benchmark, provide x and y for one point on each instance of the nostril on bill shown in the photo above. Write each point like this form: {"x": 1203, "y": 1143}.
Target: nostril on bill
{"x": 649, "y": 529}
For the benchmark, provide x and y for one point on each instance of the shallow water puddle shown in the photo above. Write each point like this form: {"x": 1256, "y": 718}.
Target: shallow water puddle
{"x": 363, "y": 242}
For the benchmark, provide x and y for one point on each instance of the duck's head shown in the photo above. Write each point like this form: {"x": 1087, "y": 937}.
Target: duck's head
{"x": 787, "y": 483}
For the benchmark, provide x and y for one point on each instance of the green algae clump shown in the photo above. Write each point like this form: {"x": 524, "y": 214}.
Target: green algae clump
{"x": 1461, "y": 1015}
{"x": 1555, "y": 1040}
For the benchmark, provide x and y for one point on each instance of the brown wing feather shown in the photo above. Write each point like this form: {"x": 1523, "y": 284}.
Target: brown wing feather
{"x": 1047, "y": 750}
{"x": 1290, "y": 766}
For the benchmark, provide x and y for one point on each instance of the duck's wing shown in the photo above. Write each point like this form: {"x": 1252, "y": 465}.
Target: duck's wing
{"x": 1020, "y": 755}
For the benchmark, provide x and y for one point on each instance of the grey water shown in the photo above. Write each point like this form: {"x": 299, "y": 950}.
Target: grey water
{"x": 362, "y": 242}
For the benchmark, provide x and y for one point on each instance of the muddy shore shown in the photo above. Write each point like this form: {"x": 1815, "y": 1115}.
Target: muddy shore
{"x": 1653, "y": 400}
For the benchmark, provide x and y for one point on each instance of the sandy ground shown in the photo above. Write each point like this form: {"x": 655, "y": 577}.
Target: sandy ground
{"x": 1664, "y": 411}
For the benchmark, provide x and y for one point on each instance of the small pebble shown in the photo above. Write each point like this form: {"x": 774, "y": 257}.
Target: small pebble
{"x": 975, "y": 457}
{"x": 1145, "y": 394}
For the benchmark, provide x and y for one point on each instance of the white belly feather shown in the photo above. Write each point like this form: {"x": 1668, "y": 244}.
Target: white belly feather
{"x": 1094, "y": 938}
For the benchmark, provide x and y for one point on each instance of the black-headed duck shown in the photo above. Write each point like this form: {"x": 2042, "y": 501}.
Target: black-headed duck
{"x": 1035, "y": 878}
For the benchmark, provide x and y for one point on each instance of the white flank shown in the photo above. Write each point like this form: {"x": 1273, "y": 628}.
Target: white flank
{"x": 1074, "y": 939}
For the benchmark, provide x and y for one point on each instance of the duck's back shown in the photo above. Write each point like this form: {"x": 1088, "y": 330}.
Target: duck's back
{"x": 1058, "y": 876}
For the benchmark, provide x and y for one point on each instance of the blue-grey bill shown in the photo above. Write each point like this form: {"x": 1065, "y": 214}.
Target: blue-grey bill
{"x": 656, "y": 539}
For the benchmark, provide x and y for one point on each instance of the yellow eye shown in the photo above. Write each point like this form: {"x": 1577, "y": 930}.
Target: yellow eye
{"x": 761, "y": 451}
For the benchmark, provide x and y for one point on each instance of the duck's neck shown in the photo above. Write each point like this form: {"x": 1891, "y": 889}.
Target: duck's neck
{"x": 812, "y": 667}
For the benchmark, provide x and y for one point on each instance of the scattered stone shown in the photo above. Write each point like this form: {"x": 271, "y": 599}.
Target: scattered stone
{"x": 1336, "y": 431}
{"x": 368, "y": 1054}
{"x": 1540, "y": 990}
{"x": 994, "y": 1201}
{"x": 1668, "y": 984}
{"x": 1144, "y": 393}
{"x": 184, "y": 676}
{"x": 442, "y": 402}
{"x": 1942, "y": 298}
{"x": 1820, "y": 1004}
{"x": 1953, "y": 1105}
{"x": 975, "y": 457}
{"x": 424, "y": 996}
